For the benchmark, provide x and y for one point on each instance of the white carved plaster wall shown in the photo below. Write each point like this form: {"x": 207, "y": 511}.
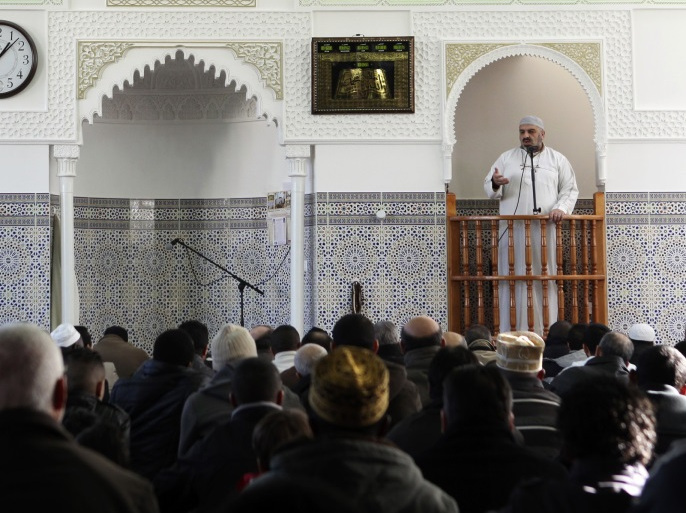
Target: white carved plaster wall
{"x": 508, "y": 50}
{"x": 189, "y": 28}
{"x": 134, "y": 59}
{"x": 431, "y": 29}
{"x": 612, "y": 27}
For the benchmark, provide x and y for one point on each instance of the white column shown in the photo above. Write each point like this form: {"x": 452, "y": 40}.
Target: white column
{"x": 447, "y": 163}
{"x": 601, "y": 166}
{"x": 66, "y": 156}
{"x": 298, "y": 161}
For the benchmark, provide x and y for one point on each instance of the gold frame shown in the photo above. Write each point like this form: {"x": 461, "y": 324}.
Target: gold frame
{"x": 363, "y": 75}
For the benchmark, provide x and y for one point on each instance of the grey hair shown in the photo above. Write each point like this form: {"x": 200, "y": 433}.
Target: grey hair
{"x": 614, "y": 343}
{"x": 386, "y": 333}
{"x": 30, "y": 365}
{"x": 306, "y": 357}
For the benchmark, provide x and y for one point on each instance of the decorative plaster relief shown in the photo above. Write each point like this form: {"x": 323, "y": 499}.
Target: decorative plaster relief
{"x": 181, "y": 3}
{"x": 62, "y": 119}
{"x": 438, "y": 3}
{"x": 93, "y": 57}
{"x": 460, "y": 55}
{"x": 462, "y": 71}
{"x": 33, "y": 2}
{"x": 611, "y": 27}
{"x": 267, "y": 57}
{"x": 587, "y": 55}
{"x": 431, "y": 29}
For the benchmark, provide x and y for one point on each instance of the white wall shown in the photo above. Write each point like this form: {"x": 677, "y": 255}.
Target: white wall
{"x": 493, "y": 102}
{"x": 184, "y": 160}
{"x": 378, "y": 168}
{"x": 24, "y": 168}
{"x": 659, "y": 70}
{"x": 366, "y": 23}
{"x": 648, "y": 166}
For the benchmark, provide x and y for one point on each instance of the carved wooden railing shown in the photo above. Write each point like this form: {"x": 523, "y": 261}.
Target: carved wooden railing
{"x": 580, "y": 274}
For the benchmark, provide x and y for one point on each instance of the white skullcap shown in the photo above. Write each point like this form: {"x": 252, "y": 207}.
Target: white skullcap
{"x": 65, "y": 335}
{"x": 642, "y": 332}
{"x": 532, "y": 120}
{"x": 232, "y": 342}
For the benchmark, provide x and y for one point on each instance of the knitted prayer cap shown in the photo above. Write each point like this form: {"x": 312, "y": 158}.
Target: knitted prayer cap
{"x": 350, "y": 387}
{"x": 642, "y": 332}
{"x": 519, "y": 351}
{"x": 65, "y": 335}
{"x": 231, "y": 343}
{"x": 532, "y": 120}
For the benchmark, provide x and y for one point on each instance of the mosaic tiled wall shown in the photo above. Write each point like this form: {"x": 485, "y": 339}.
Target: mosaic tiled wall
{"x": 646, "y": 238}
{"x": 399, "y": 260}
{"x": 25, "y": 258}
{"x": 128, "y": 276}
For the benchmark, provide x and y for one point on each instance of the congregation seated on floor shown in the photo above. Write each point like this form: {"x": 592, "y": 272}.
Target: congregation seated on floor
{"x": 331, "y": 422}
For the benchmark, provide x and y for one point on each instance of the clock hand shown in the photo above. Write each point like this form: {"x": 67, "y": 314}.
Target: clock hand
{"x": 7, "y": 47}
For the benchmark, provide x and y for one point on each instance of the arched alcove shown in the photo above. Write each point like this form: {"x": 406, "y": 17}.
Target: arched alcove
{"x": 494, "y": 85}
{"x": 179, "y": 129}
{"x": 493, "y": 102}
{"x": 181, "y": 146}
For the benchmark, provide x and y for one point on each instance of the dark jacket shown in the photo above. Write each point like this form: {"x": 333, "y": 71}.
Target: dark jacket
{"x": 535, "y": 411}
{"x": 371, "y": 474}
{"x": 43, "y": 469}
{"x": 403, "y": 396}
{"x": 665, "y": 492}
{"x": 417, "y": 364}
{"x": 670, "y": 408}
{"x": 391, "y": 353}
{"x": 103, "y": 411}
{"x": 212, "y": 404}
{"x": 419, "y": 431}
{"x": 596, "y": 366}
{"x": 480, "y": 466}
{"x": 207, "y": 475}
{"x": 594, "y": 486}
{"x": 154, "y": 397}
{"x": 200, "y": 365}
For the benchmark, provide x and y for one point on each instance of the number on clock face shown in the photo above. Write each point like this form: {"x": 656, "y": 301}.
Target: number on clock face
{"x": 18, "y": 59}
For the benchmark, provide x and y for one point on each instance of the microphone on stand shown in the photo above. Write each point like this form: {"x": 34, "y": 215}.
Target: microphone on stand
{"x": 170, "y": 245}
{"x": 531, "y": 149}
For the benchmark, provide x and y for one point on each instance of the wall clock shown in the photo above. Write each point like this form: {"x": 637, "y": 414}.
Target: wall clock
{"x": 18, "y": 59}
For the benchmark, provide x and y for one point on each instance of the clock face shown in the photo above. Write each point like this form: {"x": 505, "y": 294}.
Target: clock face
{"x": 18, "y": 59}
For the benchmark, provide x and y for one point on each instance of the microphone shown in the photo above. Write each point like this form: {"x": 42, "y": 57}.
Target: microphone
{"x": 531, "y": 149}
{"x": 170, "y": 245}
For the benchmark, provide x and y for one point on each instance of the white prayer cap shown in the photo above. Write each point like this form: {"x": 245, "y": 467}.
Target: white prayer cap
{"x": 65, "y": 335}
{"x": 642, "y": 332}
{"x": 532, "y": 120}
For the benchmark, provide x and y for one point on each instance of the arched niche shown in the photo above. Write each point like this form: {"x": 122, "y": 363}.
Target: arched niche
{"x": 579, "y": 66}
{"x": 255, "y": 67}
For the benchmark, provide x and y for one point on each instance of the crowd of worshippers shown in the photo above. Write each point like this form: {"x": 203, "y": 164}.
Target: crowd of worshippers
{"x": 365, "y": 419}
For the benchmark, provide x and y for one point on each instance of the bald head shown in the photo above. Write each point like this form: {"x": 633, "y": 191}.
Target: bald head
{"x": 420, "y": 332}
{"x": 31, "y": 370}
{"x": 453, "y": 339}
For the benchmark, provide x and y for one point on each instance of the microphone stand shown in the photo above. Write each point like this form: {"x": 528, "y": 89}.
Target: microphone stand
{"x": 241, "y": 282}
{"x": 530, "y": 150}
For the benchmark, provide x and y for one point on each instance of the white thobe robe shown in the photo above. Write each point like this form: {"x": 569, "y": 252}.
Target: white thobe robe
{"x": 555, "y": 189}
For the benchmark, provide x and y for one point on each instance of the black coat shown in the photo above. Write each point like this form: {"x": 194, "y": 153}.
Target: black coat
{"x": 154, "y": 397}
{"x": 43, "y": 469}
{"x": 207, "y": 474}
{"x": 480, "y": 466}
